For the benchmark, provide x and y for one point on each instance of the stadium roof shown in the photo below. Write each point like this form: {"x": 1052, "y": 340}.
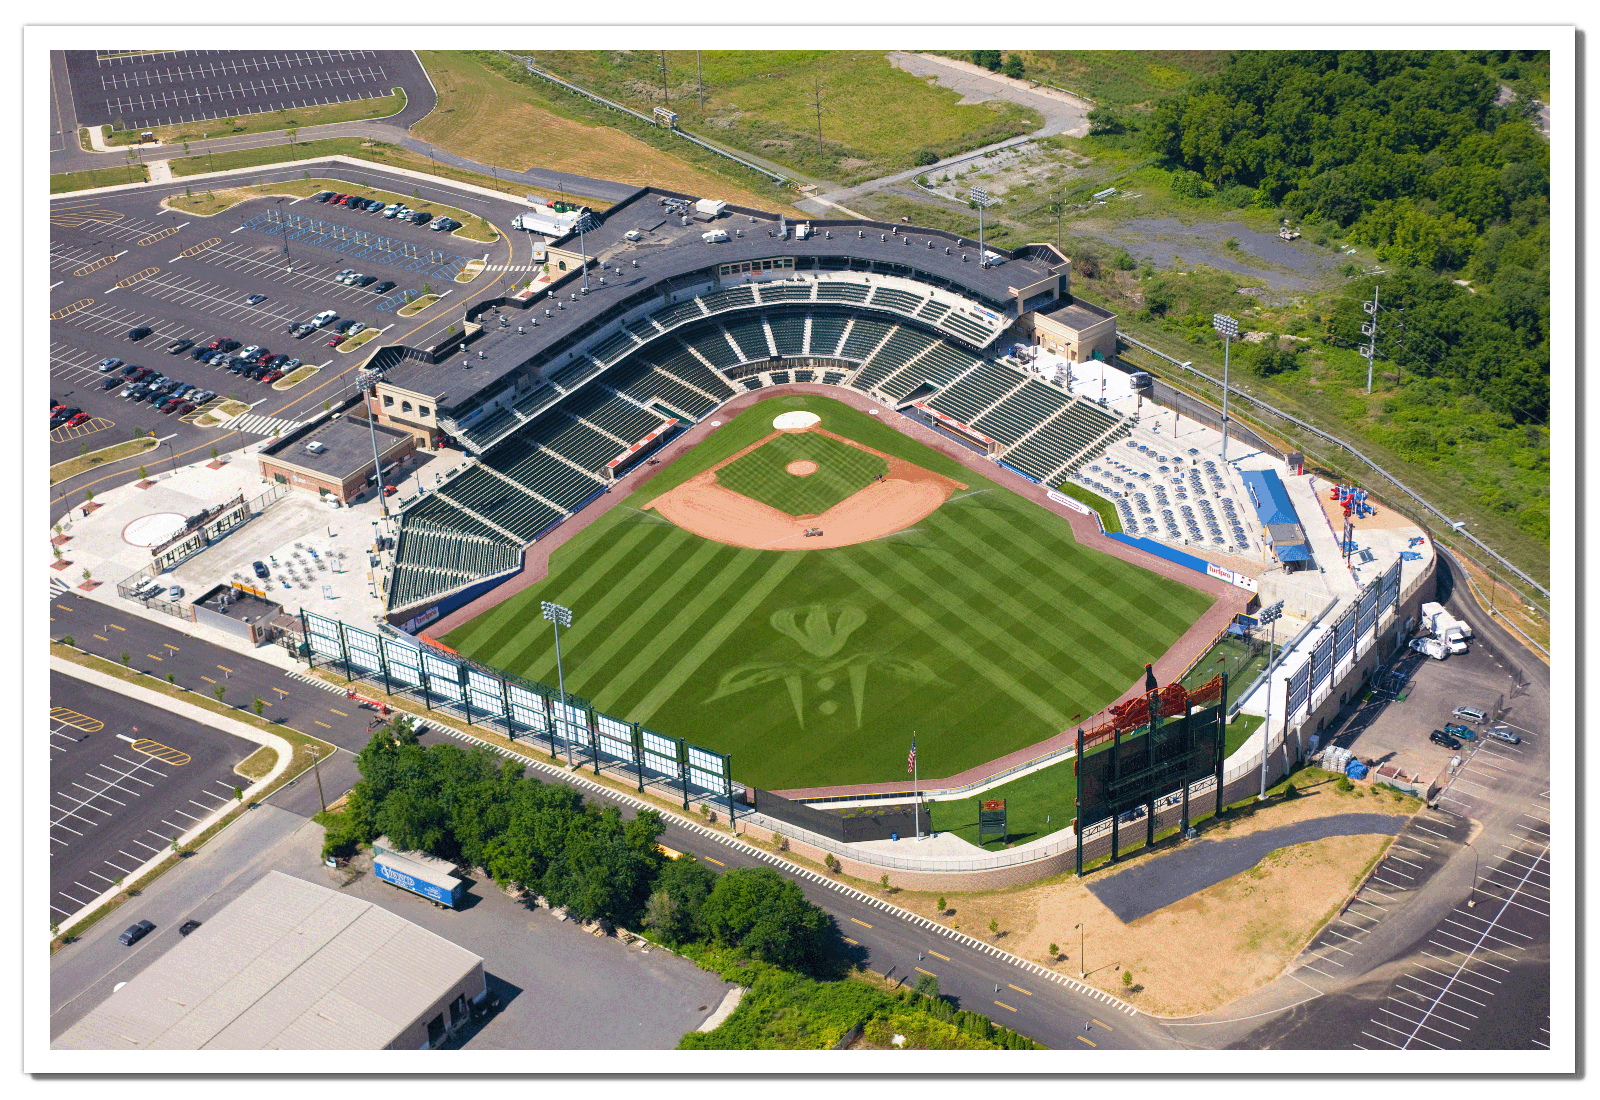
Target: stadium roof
{"x": 287, "y": 965}
{"x": 1270, "y": 498}
{"x": 672, "y": 252}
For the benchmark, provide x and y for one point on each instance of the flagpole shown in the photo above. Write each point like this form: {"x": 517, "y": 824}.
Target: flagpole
{"x": 916, "y": 793}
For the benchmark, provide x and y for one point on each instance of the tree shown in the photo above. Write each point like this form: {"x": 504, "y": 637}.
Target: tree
{"x": 994, "y": 926}
{"x": 143, "y": 474}
{"x": 88, "y": 496}
{"x": 290, "y": 134}
{"x": 238, "y": 795}
{"x": 755, "y": 908}
{"x": 177, "y": 846}
{"x": 1127, "y": 979}
{"x": 928, "y": 986}
{"x": 171, "y": 679}
{"x": 257, "y": 704}
{"x": 1102, "y": 120}
{"x": 941, "y": 904}
{"x": 989, "y": 59}
{"x": 1013, "y": 66}
{"x": 125, "y": 659}
{"x": 1054, "y": 950}
{"x": 213, "y": 454}
{"x": 219, "y": 691}
{"x": 674, "y": 908}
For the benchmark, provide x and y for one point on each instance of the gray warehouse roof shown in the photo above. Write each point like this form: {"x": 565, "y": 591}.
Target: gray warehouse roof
{"x": 1076, "y": 313}
{"x": 288, "y": 965}
{"x": 346, "y": 441}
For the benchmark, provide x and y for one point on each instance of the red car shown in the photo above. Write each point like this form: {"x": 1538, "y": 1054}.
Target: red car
{"x": 55, "y": 409}
{"x": 171, "y": 406}
{"x": 272, "y": 376}
{"x": 336, "y": 341}
{"x": 390, "y": 490}
{"x": 261, "y": 359}
{"x": 215, "y": 344}
{"x": 343, "y": 200}
{"x": 76, "y": 420}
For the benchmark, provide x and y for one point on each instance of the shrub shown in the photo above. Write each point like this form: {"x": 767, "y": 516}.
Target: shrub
{"x": 1127, "y": 979}
{"x": 1344, "y": 783}
{"x": 924, "y": 156}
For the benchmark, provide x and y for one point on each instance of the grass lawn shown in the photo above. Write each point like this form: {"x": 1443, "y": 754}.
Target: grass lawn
{"x": 99, "y": 177}
{"x": 985, "y": 629}
{"x": 417, "y": 305}
{"x": 357, "y": 340}
{"x": 1041, "y": 802}
{"x": 72, "y": 467}
{"x": 286, "y": 119}
{"x": 1122, "y": 78}
{"x": 876, "y": 119}
{"x": 1108, "y": 511}
{"x": 488, "y": 107}
{"x": 842, "y": 470}
{"x": 295, "y": 377}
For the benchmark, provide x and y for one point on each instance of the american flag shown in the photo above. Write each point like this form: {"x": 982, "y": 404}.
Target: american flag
{"x": 911, "y": 760}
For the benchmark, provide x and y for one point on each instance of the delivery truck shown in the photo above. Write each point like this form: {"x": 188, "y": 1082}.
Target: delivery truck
{"x": 1444, "y": 626}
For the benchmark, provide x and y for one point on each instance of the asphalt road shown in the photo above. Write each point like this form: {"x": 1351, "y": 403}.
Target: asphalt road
{"x": 122, "y": 791}
{"x": 159, "y": 89}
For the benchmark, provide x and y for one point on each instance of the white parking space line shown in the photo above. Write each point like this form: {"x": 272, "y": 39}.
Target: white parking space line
{"x": 102, "y": 794}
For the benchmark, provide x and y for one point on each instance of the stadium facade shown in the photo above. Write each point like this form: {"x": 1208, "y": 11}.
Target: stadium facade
{"x": 559, "y": 388}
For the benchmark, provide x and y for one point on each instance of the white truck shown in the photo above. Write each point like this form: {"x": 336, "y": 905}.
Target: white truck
{"x": 1445, "y": 627}
{"x": 1432, "y": 647}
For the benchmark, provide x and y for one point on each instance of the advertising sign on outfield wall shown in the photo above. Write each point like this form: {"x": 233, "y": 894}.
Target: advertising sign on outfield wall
{"x": 1076, "y": 505}
{"x": 1239, "y": 580}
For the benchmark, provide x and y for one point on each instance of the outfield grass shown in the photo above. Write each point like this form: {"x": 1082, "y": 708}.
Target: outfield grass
{"x": 984, "y": 629}
{"x": 1041, "y": 802}
{"x": 876, "y": 119}
{"x": 842, "y": 471}
{"x": 1109, "y": 519}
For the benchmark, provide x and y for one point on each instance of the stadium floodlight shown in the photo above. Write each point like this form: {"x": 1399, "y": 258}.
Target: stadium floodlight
{"x": 1228, "y": 329}
{"x": 1270, "y": 616}
{"x": 981, "y": 198}
{"x": 366, "y": 379}
{"x": 558, "y": 617}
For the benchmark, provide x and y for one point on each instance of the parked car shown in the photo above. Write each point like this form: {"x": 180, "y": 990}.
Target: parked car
{"x": 171, "y": 405}
{"x": 112, "y": 382}
{"x": 261, "y": 569}
{"x": 188, "y": 926}
{"x": 391, "y": 210}
{"x": 108, "y": 365}
{"x": 324, "y": 317}
{"x": 175, "y": 593}
{"x": 254, "y": 299}
{"x": 230, "y": 345}
{"x": 351, "y": 278}
{"x": 142, "y": 374}
{"x": 290, "y": 365}
{"x": 199, "y": 354}
{"x": 140, "y": 332}
{"x": 249, "y": 351}
{"x": 177, "y": 347}
{"x": 341, "y": 276}
{"x": 1461, "y": 731}
{"x": 1469, "y": 714}
{"x": 302, "y": 330}
{"x": 355, "y": 327}
{"x": 421, "y": 217}
{"x": 272, "y": 375}
{"x": 129, "y": 369}
{"x": 278, "y": 360}
{"x": 135, "y": 932}
{"x": 336, "y": 341}
{"x": 129, "y": 390}
{"x": 1439, "y": 737}
{"x": 384, "y": 287}
{"x": 365, "y": 280}
{"x": 1503, "y": 733}
{"x": 322, "y": 196}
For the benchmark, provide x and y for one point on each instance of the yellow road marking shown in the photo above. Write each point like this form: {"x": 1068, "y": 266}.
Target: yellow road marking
{"x": 1005, "y": 1006}
{"x": 936, "y": 955}
{"x": 170, "y": 646}
{"x": 208, "y": 679}
{"x": 1108, "y": 1027}
{"x": 339, "y": 712}
{"x": 96, "y": 266}
{"x": 1091, "y": 1042}
{"x": 929, "y": 973}
{"x": 81, "y": 303}
{"x": 265, "y": 703}
{"x": 202, "y": 246}
{"x": 63, "y": 607}
{"x": 154, "y": 237}
{"x": 1019, "y": 989}
{"x": 102, "y": 637}
{"x": 847, "y": 939}
{"x": 280, "y": 691}
{"x": 77, "y": 721}
{"x": 114, "y": 626}
{"x": 164, "y": 753}
{"x": 153, "y": 657}
{"x": 718, "y": 862}
{"x": 136, "y": 276}
{"x": 225, "y": 668}
{"x": 324, "y": 725}
{"x": 862, "y": 923}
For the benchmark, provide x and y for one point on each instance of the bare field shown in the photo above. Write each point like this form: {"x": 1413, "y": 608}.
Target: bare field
{"x": 490, "y": 119}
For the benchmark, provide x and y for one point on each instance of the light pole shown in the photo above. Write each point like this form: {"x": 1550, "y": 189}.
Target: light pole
{"x": 1083, "y": 971}
{"x": 584, "y": 250}
{"x": 981, "y": 197}
{"x": 1472, "y": 895}
{"x": 1269, "y": 615}
{"x": 364, "y": 379}
{"x": 1228, "y": 329}
{"x": 559, "y": 617}
{"x": 316, "y": 766}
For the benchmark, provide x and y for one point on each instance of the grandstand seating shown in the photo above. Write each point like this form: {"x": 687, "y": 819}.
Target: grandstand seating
{"x": 779, "y": 377}
{"x": 500, "y": 503}
{"x": 785, "y": 292}
{"x": 976, "y": 392}
{"x": 711, "y": 343}
{"x": 826, "y": 329}
{"x": 733, "y": 298}
{"x": 431, "y": 560}
{"x": 435, "y": 509}
{"x": 962, "y": 325}
{"x": 899, "y": 300}
{"x": 865, "y": 335}
{"x": 942, "y": 365}
{"x": 750, "y": 335}
{"x": 751, "y": 383}
{"x": 610, "y": 350}
{"x": 895, "y": 353}
{"x": 933, "y": 310}
{"x": 834, "y": 377}
{"x": 804, "y": 376}
{"x": 1020, "y": 412}
{"x": 842, "y": 292}
{"x": 788, "y": 332}
{"x": 677, "y": 314}
{"x": 643, "y": 329}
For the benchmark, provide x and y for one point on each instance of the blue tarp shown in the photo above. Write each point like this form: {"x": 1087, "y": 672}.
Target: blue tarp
{"x": 1298, "y": 552}
{"x": 1355, "y": 770}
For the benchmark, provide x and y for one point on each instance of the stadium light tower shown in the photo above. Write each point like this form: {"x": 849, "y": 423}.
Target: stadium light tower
{"x": 558, "y": 617}
{"x": 981, "y": 197}
{"x": 1228, "y": 329}
{"x": 1269, "y": 615}
{"x": 366, "y": 379}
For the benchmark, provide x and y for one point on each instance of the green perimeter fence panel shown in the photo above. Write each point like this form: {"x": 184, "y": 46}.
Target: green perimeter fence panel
{"x": 615, "y": 738}
{"x": 664, "y": 756}
{"x": 363, "y": 650}
{"x": 485, "y": 696}
{"x": 324, "y": 637}
{"x": 443, "y": 678}
{"x": 404, "y": 662}
{"x": 571, "y": 725}
{"x": 528, "y": 711}
{"x": 709, "y": 771}
{"x": 1390, "y": 593}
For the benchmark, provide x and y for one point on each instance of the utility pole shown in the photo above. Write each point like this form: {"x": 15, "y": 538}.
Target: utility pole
{"x": 1058, "y": 218}
{"x": 700, "y": 81}
{"x": 1370, "y": 329}
{"x": 816, "y": 103}
{"x": 665, "y": 100}
{"x": 316, "y": 766}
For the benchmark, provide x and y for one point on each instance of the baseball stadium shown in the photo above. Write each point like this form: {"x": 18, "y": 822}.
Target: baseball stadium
{"x": 802, "y": 505}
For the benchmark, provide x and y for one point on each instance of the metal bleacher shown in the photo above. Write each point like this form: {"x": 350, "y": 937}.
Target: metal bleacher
{"x": 977, "y": 391}
{"x": 1022, "y": 411}
{"x": 788, "y": 332}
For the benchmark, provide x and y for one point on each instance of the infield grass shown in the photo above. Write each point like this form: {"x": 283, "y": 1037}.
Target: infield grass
{"x": 985, "y": 628}
{"x": 842, "y": 471}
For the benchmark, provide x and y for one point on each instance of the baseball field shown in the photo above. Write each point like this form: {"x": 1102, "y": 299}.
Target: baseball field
{"x": 981, "y": 627}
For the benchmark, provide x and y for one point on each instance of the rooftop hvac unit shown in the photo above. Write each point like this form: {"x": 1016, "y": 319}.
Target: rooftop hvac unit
{"x": 315, "y": 447}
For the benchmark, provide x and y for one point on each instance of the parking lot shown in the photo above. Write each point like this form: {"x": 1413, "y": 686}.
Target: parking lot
{"x": 157, "y": 89}
{"x": 125, "y": 778}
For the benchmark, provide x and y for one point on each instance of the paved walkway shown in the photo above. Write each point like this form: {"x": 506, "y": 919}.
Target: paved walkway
{"x": 1157, "y": 883}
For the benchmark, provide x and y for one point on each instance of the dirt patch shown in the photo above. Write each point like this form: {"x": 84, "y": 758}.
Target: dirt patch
{"x": 801, "y": 467}
{"x": 905, "y": 495}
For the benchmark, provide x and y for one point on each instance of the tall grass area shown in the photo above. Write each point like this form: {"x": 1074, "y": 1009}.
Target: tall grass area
{"x": 818, "y": 667}
{"x": 489, "y": 106}
{"x": 876, "y": 119}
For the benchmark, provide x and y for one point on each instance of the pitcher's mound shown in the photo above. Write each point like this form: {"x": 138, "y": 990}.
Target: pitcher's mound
{"x": 797, "y": 421}
{"x": 801, "y": 467}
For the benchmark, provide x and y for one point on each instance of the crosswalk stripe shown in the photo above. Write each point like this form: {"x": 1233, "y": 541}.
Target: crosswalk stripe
{"x": 261, "y": 425}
